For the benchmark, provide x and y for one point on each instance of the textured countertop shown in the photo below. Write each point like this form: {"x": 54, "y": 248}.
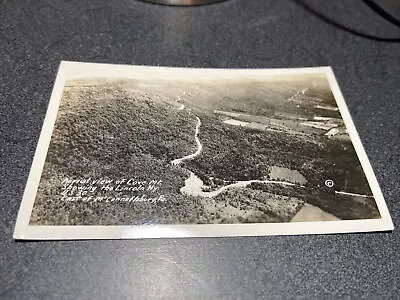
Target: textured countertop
{"x": 36, "y": 35}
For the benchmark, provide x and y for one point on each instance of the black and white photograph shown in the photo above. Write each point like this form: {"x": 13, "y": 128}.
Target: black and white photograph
{"x": 142, "y": 147}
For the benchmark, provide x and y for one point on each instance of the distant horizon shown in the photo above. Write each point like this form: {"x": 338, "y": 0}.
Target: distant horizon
{"x": 296, "y": 78}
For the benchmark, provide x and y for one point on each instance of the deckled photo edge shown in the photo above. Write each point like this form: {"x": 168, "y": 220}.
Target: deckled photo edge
{"x": 39, "y": 157}
{"x": 361, "y": 153}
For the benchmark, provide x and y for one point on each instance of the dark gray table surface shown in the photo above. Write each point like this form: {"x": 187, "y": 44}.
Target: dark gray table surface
{"x": 35, "y": 35}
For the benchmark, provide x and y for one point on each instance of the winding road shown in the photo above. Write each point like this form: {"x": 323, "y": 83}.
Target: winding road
{"x": 194, "y": 185}
{"x": 199, "y": 146}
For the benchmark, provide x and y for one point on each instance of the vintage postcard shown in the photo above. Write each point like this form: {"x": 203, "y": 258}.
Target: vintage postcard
{"x": 147, "y": 152}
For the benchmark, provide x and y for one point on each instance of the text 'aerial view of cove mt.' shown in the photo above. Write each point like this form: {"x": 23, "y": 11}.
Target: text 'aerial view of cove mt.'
{"x": 200, "y": 151}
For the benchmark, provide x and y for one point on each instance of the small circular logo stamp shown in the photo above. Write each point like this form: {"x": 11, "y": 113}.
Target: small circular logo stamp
{"x": 329, "y": 183}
